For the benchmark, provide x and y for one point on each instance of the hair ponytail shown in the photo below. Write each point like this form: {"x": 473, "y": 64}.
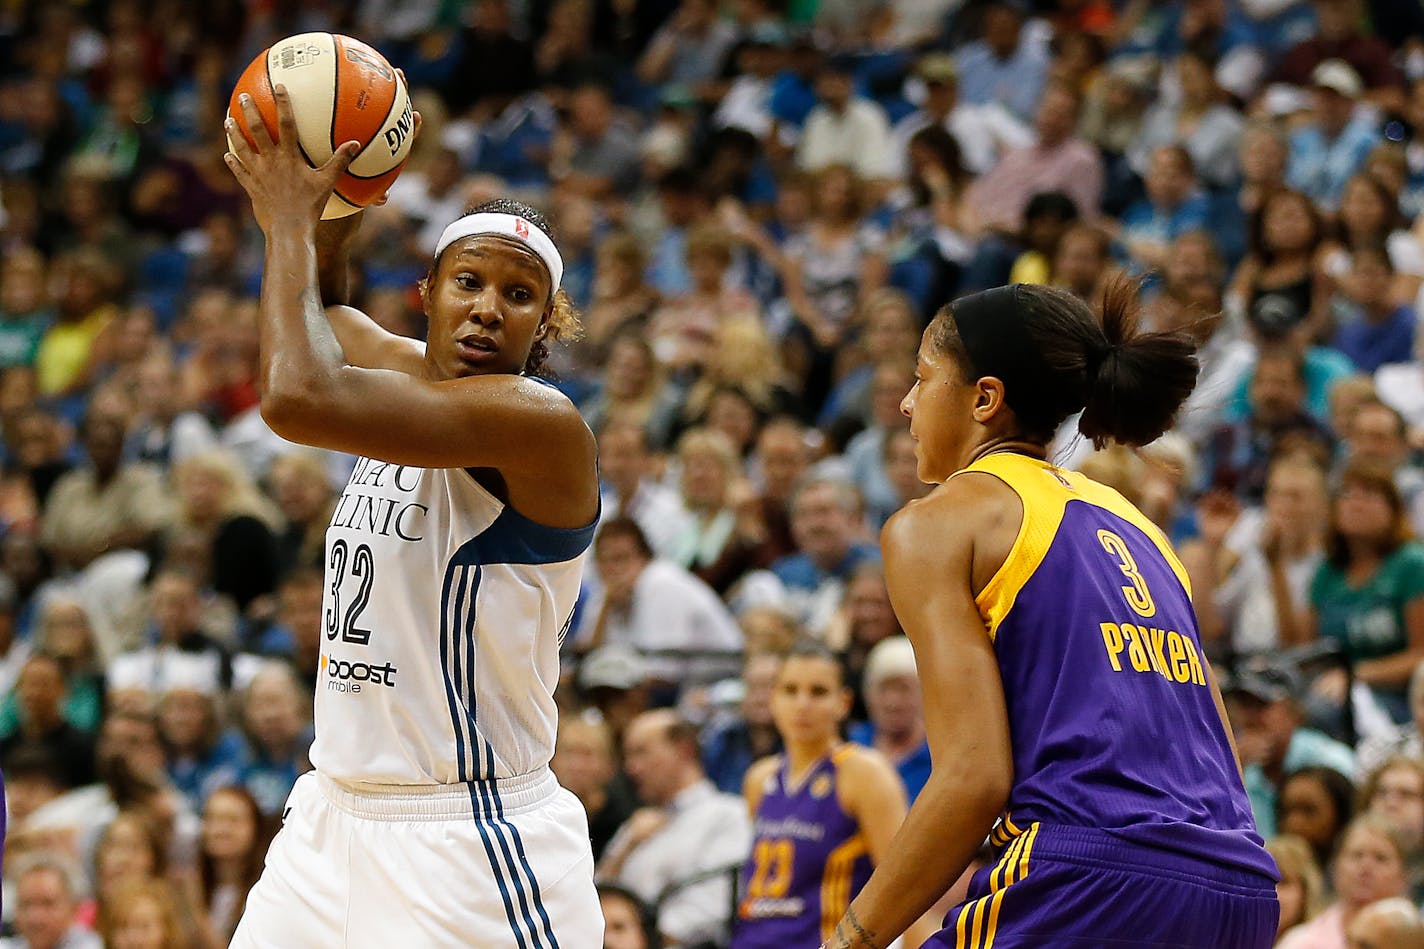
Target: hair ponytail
{"x": 1136, "y": 382}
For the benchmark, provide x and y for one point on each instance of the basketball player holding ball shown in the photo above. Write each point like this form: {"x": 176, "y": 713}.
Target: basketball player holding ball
{"x": 452, "y": 565}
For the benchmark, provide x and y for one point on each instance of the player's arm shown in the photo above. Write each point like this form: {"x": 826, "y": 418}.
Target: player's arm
{"x": 928, "y": 548}
{"x": 755, "y": 780}
{"x": 872, "y": 792}
{"x": 363, "y": 342}
{"x": 310, "y": 394}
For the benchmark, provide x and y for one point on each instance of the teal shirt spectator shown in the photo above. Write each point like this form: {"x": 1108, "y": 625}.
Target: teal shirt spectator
{"x": 20, "y": 336}
{"x": 82, "y": 706}
{"x": 1367, "y": 620}
{"x": 1308, "y": 748}
{"x": 1323, "y": 368}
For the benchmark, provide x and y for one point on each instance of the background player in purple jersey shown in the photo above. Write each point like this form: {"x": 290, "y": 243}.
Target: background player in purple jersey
{"x": 1065, "y": 689}
{"x": 824, "y": 813}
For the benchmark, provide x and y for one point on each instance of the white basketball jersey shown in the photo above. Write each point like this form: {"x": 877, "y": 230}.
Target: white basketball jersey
{"x": 444, "y": 611}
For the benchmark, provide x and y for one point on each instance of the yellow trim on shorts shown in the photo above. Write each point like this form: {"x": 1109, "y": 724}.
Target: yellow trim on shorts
{"x": 978, "y": 922}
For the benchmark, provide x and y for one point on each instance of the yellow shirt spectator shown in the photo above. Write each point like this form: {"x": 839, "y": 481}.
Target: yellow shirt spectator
{"x": 66, "y": 348}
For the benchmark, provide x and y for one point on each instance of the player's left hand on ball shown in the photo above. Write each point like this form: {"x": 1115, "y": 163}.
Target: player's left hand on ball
{"x": 275, "y": 174}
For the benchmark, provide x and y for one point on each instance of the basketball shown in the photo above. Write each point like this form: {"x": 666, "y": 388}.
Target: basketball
{"x": 341, "y": 90}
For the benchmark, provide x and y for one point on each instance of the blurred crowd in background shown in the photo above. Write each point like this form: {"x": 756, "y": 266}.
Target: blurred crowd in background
{"x": 760, "y": 203}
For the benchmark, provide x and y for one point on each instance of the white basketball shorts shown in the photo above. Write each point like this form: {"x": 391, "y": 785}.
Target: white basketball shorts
{"x": 493, "y": 865}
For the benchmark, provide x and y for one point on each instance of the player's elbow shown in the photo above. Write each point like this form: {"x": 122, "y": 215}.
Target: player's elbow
{"x": 292, "y": 413}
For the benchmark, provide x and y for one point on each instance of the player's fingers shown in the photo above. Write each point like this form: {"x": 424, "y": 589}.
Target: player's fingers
{"x": 238, "y": 169}
{"x": 415, "y": 126}
{"x": 237, "y": 142}
{"x": 256, "y": 128}
{"x": 286, "y": 117}
{"x": 339, "y": 161}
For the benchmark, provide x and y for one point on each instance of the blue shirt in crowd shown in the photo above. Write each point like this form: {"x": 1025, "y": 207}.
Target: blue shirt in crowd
{"x": 1371, "y": 345}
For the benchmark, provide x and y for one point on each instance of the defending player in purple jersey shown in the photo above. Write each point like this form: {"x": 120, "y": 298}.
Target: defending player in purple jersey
{"x": 1069, "y": 706}
{"x": 823, "y": 812}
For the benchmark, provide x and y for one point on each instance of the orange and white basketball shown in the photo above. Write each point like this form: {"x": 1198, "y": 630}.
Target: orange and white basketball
{"x": 341, "y": 90}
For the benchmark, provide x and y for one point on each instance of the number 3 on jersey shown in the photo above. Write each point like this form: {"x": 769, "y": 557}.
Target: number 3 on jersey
{"x": 363, "y": 569}
{"x": 1137, "y": 595}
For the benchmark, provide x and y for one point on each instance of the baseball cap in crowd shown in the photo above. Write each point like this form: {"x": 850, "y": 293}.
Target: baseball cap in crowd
{"x": 1274, "y": 315}
{"x": 1338, "y": 76}
{"x": 889, "y": 658}
{"x": 936, "y": 67}
{"x": 1267, "y": 684}
{"x": 614, "y": 666}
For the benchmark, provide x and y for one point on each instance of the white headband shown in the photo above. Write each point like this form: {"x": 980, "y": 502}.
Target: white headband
{"x": 506, "y": 225}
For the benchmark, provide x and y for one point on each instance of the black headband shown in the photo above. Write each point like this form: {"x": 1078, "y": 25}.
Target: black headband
{"x": 991, "y": 327}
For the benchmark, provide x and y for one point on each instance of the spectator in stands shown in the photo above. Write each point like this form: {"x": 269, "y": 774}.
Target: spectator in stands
{"x": 274, "y": 717}
{"x": 219, "y": 505}
{"x": 628, "y": 922}
{"x": 629, "y": 488}
{"x": 1058, "y": 161}
{"x": 633, "y": 388}
{"x": 1339, "y": 38}
{"x": 1395, "y": 791}
{"x": 670, "y": 851}
{"x": 866, "y": 452}
{"x": 1046, "y": 217}
{"x": 1200, "y": 121}
{"x": 1377, "y": 329}
{"x": 25, "y": 313}
{"x": 596, "y": 155}
{"x": 718, "y": 541}
{"x": 730, "y": 744}
{"x": 47, "y": 894}
{"x": 1239, "y": 455}
{"x": 1366, "y": 597}
{"x": 1377, "y": 435}
{"x": 623, "y": 300}
{"x": 1315, "y": 804}
{"x": 897, "y": 722}
{"x": 1008, "y": 65}
{"x": 84, "y": 309}
{"x": 830, "y": 270}
{"x": 674, "y": 619}
{"x": 1249, "y": 567}
{"x": 129, "y": 850}
{"x": 1327, "y": 151}
{"x": 40, "y": 690}
{"x": 303, "y": 493}
{"x": 584, "y": 763}
{"x": 143, "y": 915}
{"x": 202, "y": 755}
{"x": 234, "y": 847}
{"x": 1175, "y": 205}
{"x": 826, "y": 518}
{"x": 683, "y": 328}
{"x": 1301, "y": 890}
{"x": 1368, "y": 868}
{"x": 845, "y": 129}
{"x": 613, "y": 680}
{"x": 1272, "y": 739}
{"x": 1370, "y": 217}
{"x": 105, "y": 505}
{"x": 1387, "y": 924}
{"x": 690, "y": 48}
{"x": 165, "y": 432}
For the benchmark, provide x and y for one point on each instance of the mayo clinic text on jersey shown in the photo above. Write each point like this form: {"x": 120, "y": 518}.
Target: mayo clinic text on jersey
{"x": 376, "y": 514}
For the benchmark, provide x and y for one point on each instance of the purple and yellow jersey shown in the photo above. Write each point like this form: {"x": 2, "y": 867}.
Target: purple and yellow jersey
{"x": 807, "y": 863}
{"x": 1111, "y": 717}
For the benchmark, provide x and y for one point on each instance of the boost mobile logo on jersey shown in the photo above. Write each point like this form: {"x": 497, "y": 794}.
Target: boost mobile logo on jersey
{"x": 345, "y": 676}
